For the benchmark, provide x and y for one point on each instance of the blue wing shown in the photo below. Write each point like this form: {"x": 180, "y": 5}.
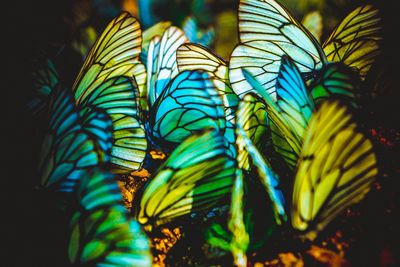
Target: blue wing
{"x": 189, "y": 104}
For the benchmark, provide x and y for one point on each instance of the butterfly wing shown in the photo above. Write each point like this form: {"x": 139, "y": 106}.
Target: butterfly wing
{"x": 98, "y": 124}
{"x": 335, "y": 80}
{"x": 253, "y": 119}
{"x": 284, "y": 137}
{"x": 118, "y": 97}
{"x": 196, "y": 57}
{"x": 115, "y": 53}
{"x": 267, "y": 31}
{"x": 164, "y": 68}
{"x": 268, "y": 178}
{"x": 336, "y": 169}
{"x": 292, "y": 97}
{"x": 101, "y": 232}
{"x": 197, "y": 175}
{"x": 236, "y": 225}
{"x": 355, "y": 41}
{"x": 67, "y": 149}
{"x": 189, "y": 104}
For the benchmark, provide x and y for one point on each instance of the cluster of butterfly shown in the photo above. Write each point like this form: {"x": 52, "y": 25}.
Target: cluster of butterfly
{"x": 281, "y": 96}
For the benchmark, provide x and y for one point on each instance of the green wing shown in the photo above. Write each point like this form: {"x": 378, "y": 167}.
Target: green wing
{"x": 285, "y": 139}
{"x": 101, "y": 233}
{"x": 355, "y": 41}
{"x": 268, "y": 178}
{"x": 112, "y": 78}
{"x": 253, "y": 119}
{"x": 336, "y": 169}
{"x": 118, "y": 97}
{"x": 197, "y": 176}
{"x": 115, "y": 53}
{"x": 335, "y": 80}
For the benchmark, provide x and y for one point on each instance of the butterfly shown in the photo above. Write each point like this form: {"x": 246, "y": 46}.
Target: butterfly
{"x": 101, "y": 232}
{"x": 197, "y": 176}
{"x": 161, "y": 61}
{"x": 112, "y": 78}
{"x": 295, "y": 102}
{"x": 335, "y": 169}
{"x": 267, "y": 31}
{"x": 189, "y": 104}
{"x": 68, "y": 149}
{"x": 239, "y": 234}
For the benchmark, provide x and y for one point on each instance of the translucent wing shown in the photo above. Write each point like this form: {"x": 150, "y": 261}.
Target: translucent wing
{"x": 118, "y": 97}
{"x": 115, "y": 53}
{"x": 335, "y": 80}
{"x": 189, "y": 104}
{"x": 336, "y": 169}
{"x": 195, "y": 57}
{"x": 196, "y": 177}
{"x": 67, "y": 149}
{"x": 161, "y": 61}
{"x": 102, "y": 234}
{"x": 267, "y": 31}
{"x": 253, "y": 119}
{"x": 100, "y": 84}
{"x": 355, "y": 41}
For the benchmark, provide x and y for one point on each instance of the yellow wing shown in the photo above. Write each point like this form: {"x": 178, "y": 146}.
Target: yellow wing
{"x": 355, "y": 41}
{"x": 337, "y": 167}
{"x": 253, "y": 118}
{"x": 112, "y": 78}
{"x": 115, "y": 53}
